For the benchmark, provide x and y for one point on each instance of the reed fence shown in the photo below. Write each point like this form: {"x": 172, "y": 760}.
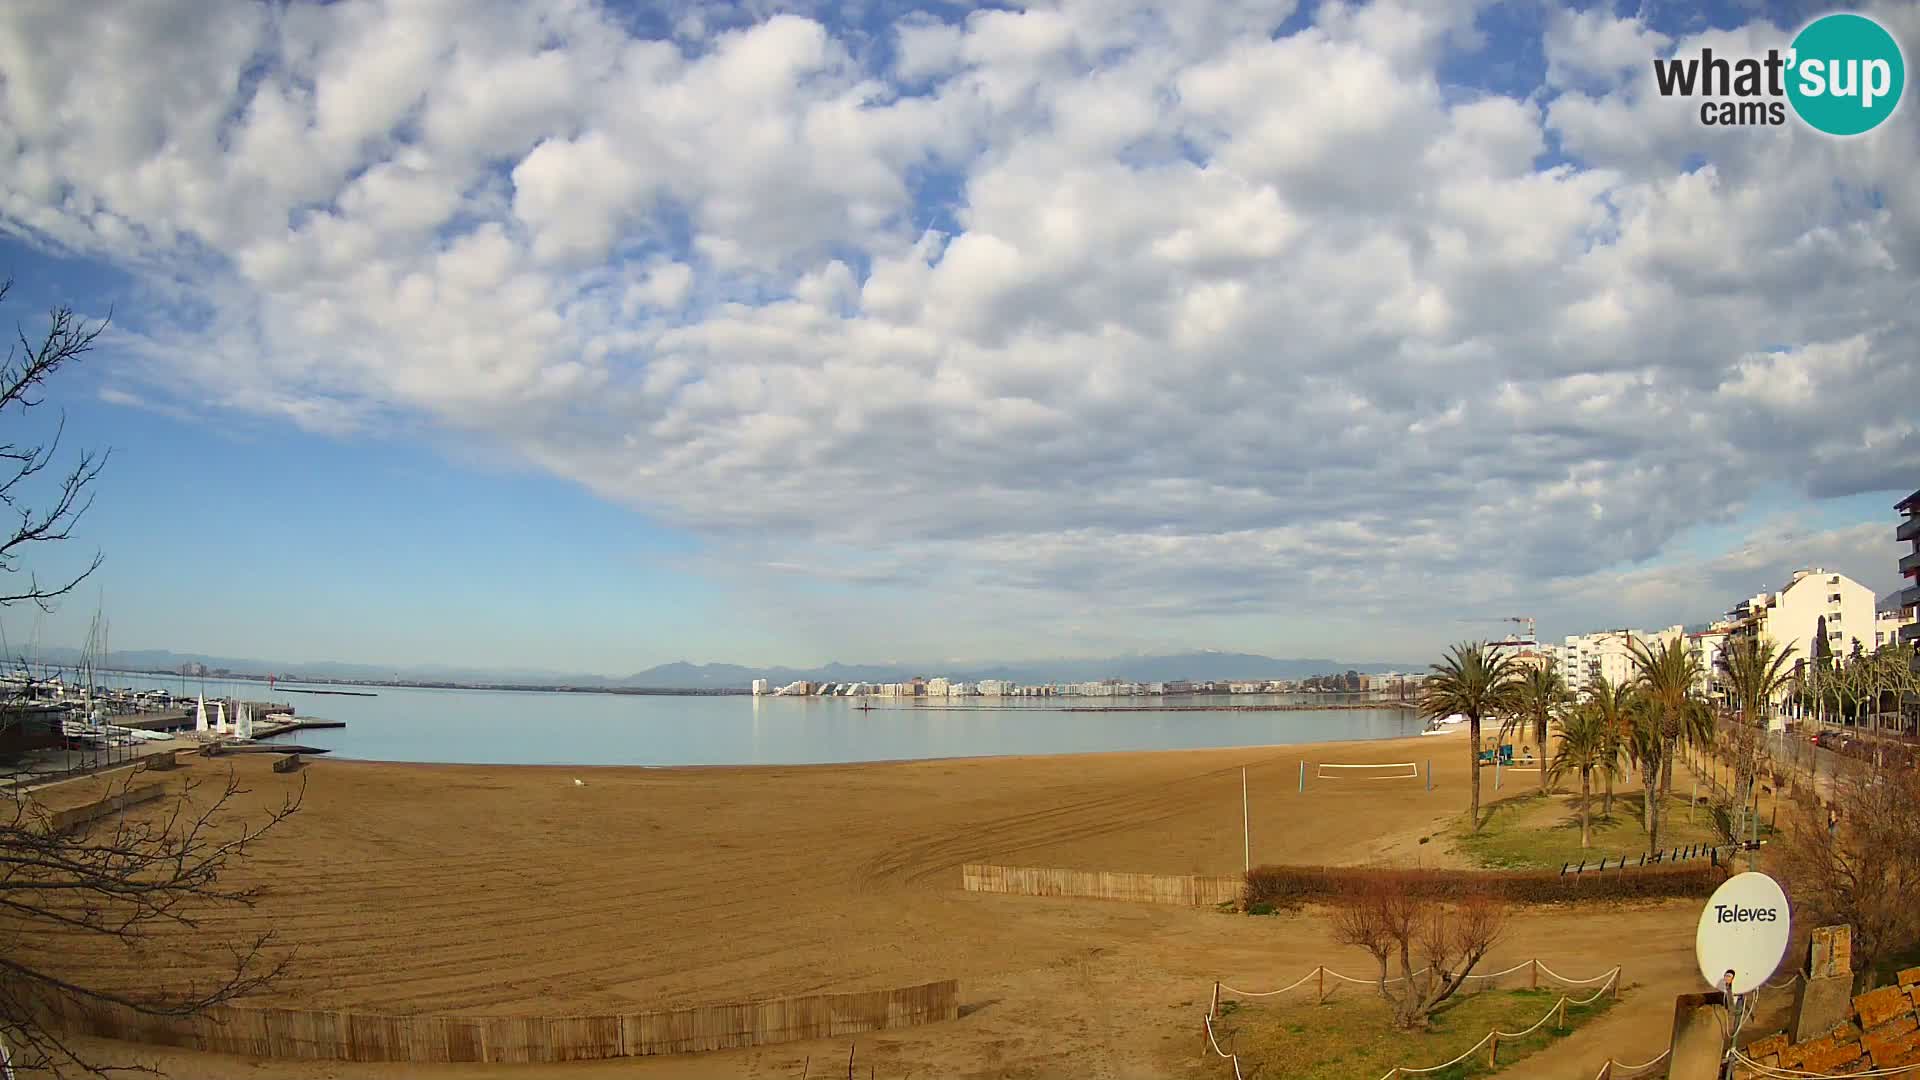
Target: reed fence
{"x": 1193, "y": 890}
{"x": 350, "y": 1036}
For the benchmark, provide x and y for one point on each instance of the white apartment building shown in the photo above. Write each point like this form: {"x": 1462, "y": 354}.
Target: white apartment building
{"x": 1709, "y": 649}
{"x": 759, "y": 687}
{"x": 1813, "y": 600}
{"x": 938, "y": 687}
{"x": 994, "y": 687}
{"x": 1586, "y": 658}
{"x": 1887, "y": 626}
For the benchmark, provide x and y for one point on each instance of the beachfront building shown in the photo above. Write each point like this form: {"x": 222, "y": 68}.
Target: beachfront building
{"x": 1909, "y": 598}
{"x": 1709, "y": 649}
{"x": 759, "y": 687}
{"x": 1817, "y": 612}
{"x": 1586, "y": 658}
{"x": 995, "y": 687}
{"x": 938, "y": 687}
{"x": 1887, "y": 626}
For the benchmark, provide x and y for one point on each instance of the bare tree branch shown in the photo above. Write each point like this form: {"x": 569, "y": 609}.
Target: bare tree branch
{"x": 29, "y": 363}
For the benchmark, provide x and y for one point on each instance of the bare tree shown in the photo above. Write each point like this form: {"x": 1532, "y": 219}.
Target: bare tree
{"x": 1436, "y": 943}
{"x": 117, "y": 881}
{"x": 1858, "y": 860}
{"x": 140, "y": 877}
{"x": 29, "y": 364}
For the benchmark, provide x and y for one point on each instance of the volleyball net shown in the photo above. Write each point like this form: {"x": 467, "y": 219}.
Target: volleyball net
{"x": 1398, "y": 770}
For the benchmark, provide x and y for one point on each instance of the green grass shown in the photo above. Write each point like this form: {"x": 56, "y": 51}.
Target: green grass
{"x": 1536, "y": 831}
{"x": 1352, "y": 1036}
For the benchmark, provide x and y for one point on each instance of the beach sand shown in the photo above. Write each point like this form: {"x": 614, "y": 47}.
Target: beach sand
{"x": 478, "y": 889}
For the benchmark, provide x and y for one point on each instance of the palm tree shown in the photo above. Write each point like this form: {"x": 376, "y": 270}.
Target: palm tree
{"x": 1475, "y": 681}
{"x": 1541, "y": 694}
{"x": 1586, "y": 746}
{"x": 1613, "y": 704}
{"x": 1756, "y": 673}
{"x": 1667, "y": 677}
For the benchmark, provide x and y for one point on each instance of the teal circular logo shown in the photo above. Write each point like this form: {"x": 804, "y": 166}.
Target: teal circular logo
{"x": 1845, "y": 74}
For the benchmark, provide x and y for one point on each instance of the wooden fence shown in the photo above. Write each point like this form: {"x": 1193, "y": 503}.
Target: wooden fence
{"x": 131, "y": 795}
{"x": 1193, "y": 890}
{"x": 346, "y": 1036}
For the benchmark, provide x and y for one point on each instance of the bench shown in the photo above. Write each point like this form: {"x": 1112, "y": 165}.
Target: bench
{"x": 287, "y": 764}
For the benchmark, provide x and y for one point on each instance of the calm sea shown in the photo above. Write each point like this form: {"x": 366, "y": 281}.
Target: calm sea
{"x": 511, "y": 727}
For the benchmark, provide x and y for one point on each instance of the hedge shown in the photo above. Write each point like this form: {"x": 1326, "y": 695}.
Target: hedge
{"x": 1290, "y": 886}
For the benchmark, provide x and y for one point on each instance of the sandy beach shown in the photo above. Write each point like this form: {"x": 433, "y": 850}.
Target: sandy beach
{"x": 469, "y": 889}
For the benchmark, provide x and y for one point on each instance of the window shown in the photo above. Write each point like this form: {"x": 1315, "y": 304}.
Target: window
{"x": 1833, "y": 598}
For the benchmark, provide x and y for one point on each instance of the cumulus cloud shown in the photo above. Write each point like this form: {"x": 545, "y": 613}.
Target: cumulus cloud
{"x": 1156, "y": 311}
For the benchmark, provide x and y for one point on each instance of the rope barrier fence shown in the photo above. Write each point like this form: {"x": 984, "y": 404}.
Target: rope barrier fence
{"x": 1323, "y": 973}
{"x": 1608, "y": 983}
{"x": 1614, "y": 1070}
{"x": 1494, "y": 1037}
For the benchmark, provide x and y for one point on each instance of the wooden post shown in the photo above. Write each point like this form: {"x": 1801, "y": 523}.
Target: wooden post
{"x": 1322, "y": 970}
{"x": 1246, "y": 826}
{"x": 1303, "y": 776}
{"x": 1533, "y": 977}
{"x": 1493, "y": 1050}
{"x": 1213, "y": 1009}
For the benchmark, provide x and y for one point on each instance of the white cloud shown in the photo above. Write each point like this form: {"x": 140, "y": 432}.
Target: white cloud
{"x": 1138, "y": 310}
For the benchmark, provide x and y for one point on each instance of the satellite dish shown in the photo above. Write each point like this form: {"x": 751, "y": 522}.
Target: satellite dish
{"x": 1743, "y": 932}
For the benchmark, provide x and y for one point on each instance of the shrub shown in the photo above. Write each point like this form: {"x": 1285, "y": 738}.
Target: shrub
{"x": 1291, "y": 886}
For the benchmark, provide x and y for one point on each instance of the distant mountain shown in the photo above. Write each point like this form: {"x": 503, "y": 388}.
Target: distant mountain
{"x": 1889, "y": 602}
{"x": 682, "y": 675}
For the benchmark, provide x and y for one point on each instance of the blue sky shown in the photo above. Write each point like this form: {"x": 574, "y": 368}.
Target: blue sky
{"x": 583, "y": 339}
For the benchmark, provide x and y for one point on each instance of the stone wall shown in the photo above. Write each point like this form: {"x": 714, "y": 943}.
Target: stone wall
{"x": 1883, "y": 1032}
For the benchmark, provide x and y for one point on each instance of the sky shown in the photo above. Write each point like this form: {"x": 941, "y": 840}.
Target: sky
{"x": 588, "y": 337}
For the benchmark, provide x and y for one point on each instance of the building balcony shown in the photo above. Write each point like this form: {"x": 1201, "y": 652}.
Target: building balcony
{"x": 1909, "y": 597}
{"x": 1908, "y": 529}
{"x": 1910, "y": 565}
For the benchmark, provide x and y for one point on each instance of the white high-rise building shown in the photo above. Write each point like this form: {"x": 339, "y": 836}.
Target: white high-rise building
{"x": 937, "y": 687}
{"x": 1816, "y": 601}
{"x": 1586, "y": 658}
{"x": 759, "y": 687}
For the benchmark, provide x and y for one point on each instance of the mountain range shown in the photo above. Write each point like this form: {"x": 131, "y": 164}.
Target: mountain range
{"x": 1200, "y": 666}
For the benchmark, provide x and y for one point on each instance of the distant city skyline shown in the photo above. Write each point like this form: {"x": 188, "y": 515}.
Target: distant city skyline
{"x": 593, "y": 337}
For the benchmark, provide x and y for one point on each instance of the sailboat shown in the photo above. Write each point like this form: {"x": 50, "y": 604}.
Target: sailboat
{"x": 200, "y": 715}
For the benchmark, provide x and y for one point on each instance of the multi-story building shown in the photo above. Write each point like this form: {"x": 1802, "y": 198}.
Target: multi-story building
{"x": 1709, "y": 650}
{"x": 759, "y": 687}
{"x": 1887, "y": 626}
{"x": 1816, "y": 612}
{"x": 938, "y": 687}
{"x": 1586, "y": 658}
{"x": 1909, "y": 599}
{"x": 1909, "y": 532}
